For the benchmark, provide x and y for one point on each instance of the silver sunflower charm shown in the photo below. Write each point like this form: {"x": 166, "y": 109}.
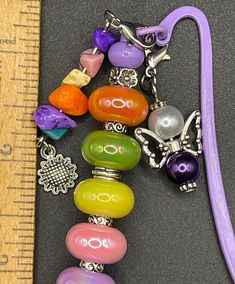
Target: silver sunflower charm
{"x": 57, "y": 174}
{"x": 123, "y": 76}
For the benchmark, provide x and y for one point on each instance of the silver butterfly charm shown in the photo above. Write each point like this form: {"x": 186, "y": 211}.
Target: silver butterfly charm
{"x": 172, "y": 145}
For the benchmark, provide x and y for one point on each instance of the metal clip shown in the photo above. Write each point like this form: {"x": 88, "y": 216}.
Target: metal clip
{"x": 125, "y": 29}
{"x": 149, "y": 79}
{"x": 156, "y": 57}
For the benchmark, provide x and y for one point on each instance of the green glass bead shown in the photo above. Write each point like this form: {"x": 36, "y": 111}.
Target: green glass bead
{"x": 111, "y": 150}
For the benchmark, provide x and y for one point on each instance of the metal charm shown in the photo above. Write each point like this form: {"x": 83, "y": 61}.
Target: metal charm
{"x": 188, "y": 187}
{"x": 100, "y": 220}
{"x": 57, "y": 174}
{"x": 123, "y": 76}
{"x": 172, "y": 145}
{"x": 92, "y": 266}
{"x": 106, "y": 173}
{"x": 127, "y": 30}
{"x": 149, "y": 79}
{"x": 115, "y": 126}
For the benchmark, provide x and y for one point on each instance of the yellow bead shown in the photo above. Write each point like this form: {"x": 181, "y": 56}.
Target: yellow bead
{"x": 102, "y": 197}
{"x": 77, "y": 78}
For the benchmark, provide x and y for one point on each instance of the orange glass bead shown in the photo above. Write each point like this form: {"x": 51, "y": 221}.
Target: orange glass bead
{"x": 117, "y": 103}
{"x": 69, "y": 99}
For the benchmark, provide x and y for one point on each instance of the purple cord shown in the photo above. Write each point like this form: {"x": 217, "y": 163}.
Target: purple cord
{"x": 214, "y": 177}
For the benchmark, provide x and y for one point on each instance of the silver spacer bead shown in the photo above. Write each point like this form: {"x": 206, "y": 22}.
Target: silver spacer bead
{"x": 92, "y": 266}
{"x": 106, "y": 173}
{"x": 100, "y": 220}
{"x": 157, "y": 105}
{"x": 115, "y": 127}
{"x": 188, "y": 187}
{"x": 123, "y": 76}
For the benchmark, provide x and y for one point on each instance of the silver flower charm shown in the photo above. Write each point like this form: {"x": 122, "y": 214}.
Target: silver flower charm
{"x": 57, "y": 174}
{"x": 124, "y": 77}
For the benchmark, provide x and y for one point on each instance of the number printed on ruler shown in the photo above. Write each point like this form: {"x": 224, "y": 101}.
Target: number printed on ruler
{"x": 19, "y": 77}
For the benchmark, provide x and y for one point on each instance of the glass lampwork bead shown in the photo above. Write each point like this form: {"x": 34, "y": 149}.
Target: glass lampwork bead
{"x": 96, "y": 243}
{"x": 117, "y": 103}
{"x": 111, "y": 150}
{"x": 110, "y": 198}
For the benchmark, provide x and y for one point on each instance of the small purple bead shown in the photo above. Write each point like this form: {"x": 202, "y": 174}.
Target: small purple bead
{"x": 103, "y": 40}
{"x": 123, "y": 55}
{"x": 76, "y": 275}
{"x": 48, "y": 117}
{"x": 183, "y": 167}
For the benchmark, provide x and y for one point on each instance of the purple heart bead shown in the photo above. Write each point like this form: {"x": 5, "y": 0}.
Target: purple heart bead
{"x": 103, "y": 40}
{"x": 48, "y": 117}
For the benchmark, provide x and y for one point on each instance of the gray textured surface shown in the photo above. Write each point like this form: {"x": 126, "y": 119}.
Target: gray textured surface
{"x": 171, "y": 236}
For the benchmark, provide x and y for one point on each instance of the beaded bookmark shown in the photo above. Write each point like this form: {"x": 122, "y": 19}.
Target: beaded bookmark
{"x": 110, "y": 151}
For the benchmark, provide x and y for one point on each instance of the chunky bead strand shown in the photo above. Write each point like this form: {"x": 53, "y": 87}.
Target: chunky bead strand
{"x": 104, "y": 197}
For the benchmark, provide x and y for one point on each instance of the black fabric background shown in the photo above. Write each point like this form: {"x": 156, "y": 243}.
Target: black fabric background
{"x": 171, "y": 236}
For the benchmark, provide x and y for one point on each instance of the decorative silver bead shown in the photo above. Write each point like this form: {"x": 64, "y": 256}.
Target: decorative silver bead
{"x": 92, "y": 266}
{"x": 166, "y": 121}
{"x": 115, "y": 127}
{"x": 100, "y": 220}
{"x": 123, "y": 76}
{"x": 188, "y": 187}
{"x": 157, "y": 105}
{"x": 106, "y": 173}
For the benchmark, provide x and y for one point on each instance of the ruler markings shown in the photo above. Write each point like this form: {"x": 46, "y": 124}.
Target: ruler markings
{"x": 17, "y": 161}
{"x": 15, "y": 271}
{"x": 30, "y": 40}
{"x": 25, "y": 93}
{"x": 17, "y": 52}
{"x": 19, "y": 243}
{"x": 22, "y": 229}
{"x": 23, "y": 174}
{"x": 27, "y": 195}
{"x": 16, "y": 216}
{"x": 28, "y": 66}
{"x": 19, "y": 64}
{"x": 20, "y": 188}
{"x": 26, "y": 223}
{"x": 24, "y": 80}
{"x": 23, "y": 202}
{"x": 25, "y": 26}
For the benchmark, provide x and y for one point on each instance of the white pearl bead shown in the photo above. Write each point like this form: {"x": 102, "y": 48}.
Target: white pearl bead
{"x": 166, "y": 121}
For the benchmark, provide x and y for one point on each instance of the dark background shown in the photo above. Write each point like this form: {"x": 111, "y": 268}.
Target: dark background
{"x": 171, "y": 235}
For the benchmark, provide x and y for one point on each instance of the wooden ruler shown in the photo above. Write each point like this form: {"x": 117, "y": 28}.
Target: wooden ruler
{"x": 19, "y": 77}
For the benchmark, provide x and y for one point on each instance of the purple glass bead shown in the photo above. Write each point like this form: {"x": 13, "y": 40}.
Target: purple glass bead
{"x": 123, "y": 55}
{"x": 76, "y": 275}
{"x": 103, "y": 40}
{"x": 48, "y": 117}
{"x": 183, "y": 167}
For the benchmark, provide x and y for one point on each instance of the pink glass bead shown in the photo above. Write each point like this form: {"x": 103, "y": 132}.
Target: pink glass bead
{"x": 121, "y": 54}
{"x": 96, "y": 243}
{"x": 74, "y": 275}
{"x": 92, "y": 62}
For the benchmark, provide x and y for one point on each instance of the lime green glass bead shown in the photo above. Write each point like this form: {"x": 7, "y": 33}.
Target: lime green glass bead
{"x": 110, "y": 198}
{"x": 111, "y": 150}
